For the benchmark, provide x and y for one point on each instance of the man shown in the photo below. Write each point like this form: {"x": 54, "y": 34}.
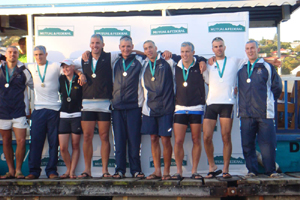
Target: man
{"x": 158, "y": 83}
{"x": 14, "y": 79}
{"x": 127, "y": 105}
{"x": 45, "y": 116}
{"x": 259, "y": 86}
{"x": 22, "y": 54}
{"x": 97, "y": 94}
{"x": 189, "y": 108}
{"x": 221, "y": 79}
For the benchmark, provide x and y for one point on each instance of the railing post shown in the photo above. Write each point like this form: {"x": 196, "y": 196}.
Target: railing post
{"x": 296, "y": 104}
{"x": 286, "y": 121}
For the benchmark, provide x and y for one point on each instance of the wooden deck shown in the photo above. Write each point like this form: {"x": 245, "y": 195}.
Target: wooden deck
{"x": 216, "y": 188}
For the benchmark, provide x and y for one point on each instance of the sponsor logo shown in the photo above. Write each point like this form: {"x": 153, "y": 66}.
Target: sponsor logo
{"x": 169, "y": 29}
{"x": 239, "y": 26}
{"x": 55, "y": 31}
{"x": 111, "y": 162}
{"x": 112, "y": 31}
{"x": 173, "y": 163}
{"x": 234, "y": 160}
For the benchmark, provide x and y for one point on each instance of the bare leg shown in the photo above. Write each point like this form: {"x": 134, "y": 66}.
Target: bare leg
{"x": 196, "y": 151}
{"x": 88, "y": 134}
{"x": 208, "y": 131}
{"x": 8, "y": 150}
{"x": 167, "y": 152}
{"x": 226, "y": 125}
{"x": 103, "y": 127}
{"x": 179, "y": 132}
{"x": 156, "y": 153}
{"x": 20, "y": 134}
{"x": 64, "y": 150}
{"x": 75, "y": 153}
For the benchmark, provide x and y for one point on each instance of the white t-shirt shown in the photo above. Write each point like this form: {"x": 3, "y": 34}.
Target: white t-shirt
{"x": 46, "y": 97}
{"x": 222, "y": 92}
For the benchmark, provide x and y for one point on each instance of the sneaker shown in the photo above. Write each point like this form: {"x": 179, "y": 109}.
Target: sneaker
{"x": 276, "y": 175}
{"x": 250, "y": 175}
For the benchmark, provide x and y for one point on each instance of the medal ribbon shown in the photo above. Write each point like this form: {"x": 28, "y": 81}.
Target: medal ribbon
{"x": 38, "y": 68}
{"x": 186, "y": 75}
{"x": 70, "y": 86}
{"x": 94, "y": 68}
{"x": 127, "y": 67}
{"x": 152, "y": 69}
{"x": 249, "y": 71}
{"x": 218, "y": 67}
{"x": 7, "y": 75}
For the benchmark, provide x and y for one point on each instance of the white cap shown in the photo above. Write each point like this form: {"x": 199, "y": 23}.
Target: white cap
{"x": 67, "y": 62}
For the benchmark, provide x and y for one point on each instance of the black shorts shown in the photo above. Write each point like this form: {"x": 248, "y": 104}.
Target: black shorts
{"x": 188, "y": 119}
{"x": 70, "y": 125}
{"x": 223, "y": 110}
{"x": 95, "y": 116}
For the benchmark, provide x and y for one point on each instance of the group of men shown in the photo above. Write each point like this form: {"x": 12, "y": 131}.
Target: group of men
{"x": 150, "y": 94}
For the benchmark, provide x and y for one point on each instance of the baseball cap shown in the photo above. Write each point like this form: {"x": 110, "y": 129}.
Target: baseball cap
{"x": 67, "y": 62}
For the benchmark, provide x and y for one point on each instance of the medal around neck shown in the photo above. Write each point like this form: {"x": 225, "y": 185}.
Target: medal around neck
{"x": 42, "y": 78}
{"x": 124, "y": 74}
{"x": 6, "y": 85}
{"x": 153, "y": 79}
{"x": 126, "y": 67}
{"x": 43, "y": 85}
{"x": 94, "y": 75}
{"x": 185, "y": 84}
{"x": 69, "y": 99}
{"x": 221, "y": 80}
{"x": 221, "y": 72}
{"x": 186, "y": 74}
{"x": 248, "y": 80}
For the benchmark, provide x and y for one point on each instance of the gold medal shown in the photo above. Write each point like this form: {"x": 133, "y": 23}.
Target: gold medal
{"x": 153, "y": 78}
{"x": 43, "y": 84}
{"x": 185, "y": 84}
{"x": 94, "y": 75}
{"x": 6, "y": 85}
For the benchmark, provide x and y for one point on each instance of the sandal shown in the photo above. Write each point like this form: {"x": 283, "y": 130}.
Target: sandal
{"x": 276, "y": 175}
{"x": 73, "y": 176}
{"x": 7, "y": 176}
{"x": 197, "y": 176}
{"x": 153, "y": 177}
{"x": 19, "y": 175}
{"x": 64, "y": 176}
{"x": 138, "y": 175}
{"x": 176, "y": 177}
{"x": 226, "y": 175}
{"x": 213, "y": 174}
{"x": 106, "y": 175}
{"x": 118, "y": 175}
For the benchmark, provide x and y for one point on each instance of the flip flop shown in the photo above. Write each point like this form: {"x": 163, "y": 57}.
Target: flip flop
{"x": 64, "y": 176}
{"x": 153, "y": 177}
{"x": 166, "y": 177}
{"x": 106, "y": 175}
{"x": 197, "y": 176}
{"x": 176, "y": 177}
{"x": 226, "y": 175}
{"x": 84, "y": 175}
{"x": 19, "y": 175}
{"x": 213, "y": 174}
{"x": 7, "y": 176}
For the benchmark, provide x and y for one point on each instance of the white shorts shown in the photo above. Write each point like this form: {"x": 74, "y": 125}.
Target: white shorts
{"x": 7, "y": 124}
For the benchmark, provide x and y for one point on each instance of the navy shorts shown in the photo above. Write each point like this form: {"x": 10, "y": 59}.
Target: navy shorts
{"x": 70, "y": 125}
{"x": 161, "y": 126}
{"x": 187, "y": 119}
{"x": 95, "y": 116}
{"x": 223, "y": 110}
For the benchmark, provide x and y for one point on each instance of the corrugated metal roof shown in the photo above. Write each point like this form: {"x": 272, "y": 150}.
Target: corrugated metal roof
{"x": 131, "y": 5}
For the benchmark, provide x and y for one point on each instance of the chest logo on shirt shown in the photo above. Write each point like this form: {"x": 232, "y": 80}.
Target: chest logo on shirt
{"x": 86, "y": 62}
{"x": 76, "y": 87}
{"x": 259, "y": 71}
{"x": 160, "y": 66}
